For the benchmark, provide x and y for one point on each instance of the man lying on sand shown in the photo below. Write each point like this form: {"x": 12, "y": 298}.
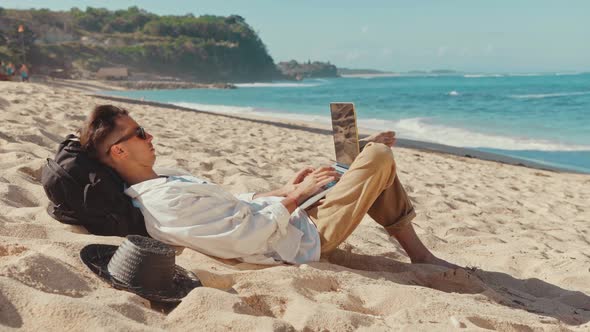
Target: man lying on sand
{"x": 262, "y": 228}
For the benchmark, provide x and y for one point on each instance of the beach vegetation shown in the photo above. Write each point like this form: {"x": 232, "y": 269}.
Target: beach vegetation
{"x": 308, "y": 69}
{"x": 18, "y": 44}
{"x": 204, "y": 48}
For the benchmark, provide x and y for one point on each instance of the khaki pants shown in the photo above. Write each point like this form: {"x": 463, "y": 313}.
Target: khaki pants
{"x": 369, "y": 186}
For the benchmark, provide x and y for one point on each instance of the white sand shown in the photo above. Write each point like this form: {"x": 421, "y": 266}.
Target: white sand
{"x": 525, "y": 230}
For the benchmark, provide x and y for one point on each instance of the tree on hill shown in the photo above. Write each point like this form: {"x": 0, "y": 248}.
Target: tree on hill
{"x": 296, "y": 70}
{"x": 19, "y": 44}
{"x": 204, "y": 48}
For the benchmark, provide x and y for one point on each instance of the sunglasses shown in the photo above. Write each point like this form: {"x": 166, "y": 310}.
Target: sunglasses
{"x": 139, "y": 132}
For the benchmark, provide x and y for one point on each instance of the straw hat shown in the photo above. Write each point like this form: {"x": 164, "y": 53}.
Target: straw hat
{"x": 143, "y": 266}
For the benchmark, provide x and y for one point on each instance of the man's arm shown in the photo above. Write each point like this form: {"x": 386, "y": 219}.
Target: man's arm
{"x": 281, "y": 192}
{"x": 205, "y": 218}
{"x": 305, "y": 184}
{"x": 289, "y": 187}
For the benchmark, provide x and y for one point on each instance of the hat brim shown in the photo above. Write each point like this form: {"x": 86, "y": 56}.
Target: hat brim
{"x": 97, "y": 257}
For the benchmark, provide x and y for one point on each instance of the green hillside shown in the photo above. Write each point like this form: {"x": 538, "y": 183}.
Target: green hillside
{"x": 298, "y": 71}
{"x": 206, "y": 48}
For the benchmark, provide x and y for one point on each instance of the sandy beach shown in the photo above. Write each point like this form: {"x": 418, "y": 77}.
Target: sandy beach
{"x": 523, "y": 233}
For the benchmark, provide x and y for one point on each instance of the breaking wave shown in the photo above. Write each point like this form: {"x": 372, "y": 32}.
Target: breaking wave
{"x": 412, "y": 128}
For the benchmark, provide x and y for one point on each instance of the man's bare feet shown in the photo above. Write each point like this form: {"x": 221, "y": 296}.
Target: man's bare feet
{"x": 433, "y": 260}
{"x": 385, "y": 137}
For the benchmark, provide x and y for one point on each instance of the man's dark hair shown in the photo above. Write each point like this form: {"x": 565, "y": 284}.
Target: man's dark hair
{"x": 99, "y": 124}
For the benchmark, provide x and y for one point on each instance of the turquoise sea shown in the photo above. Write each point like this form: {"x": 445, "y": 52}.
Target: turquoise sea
{"x": 538, "y": 117}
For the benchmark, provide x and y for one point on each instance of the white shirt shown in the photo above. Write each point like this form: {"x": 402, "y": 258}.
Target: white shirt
{"x": 183, "y": 210}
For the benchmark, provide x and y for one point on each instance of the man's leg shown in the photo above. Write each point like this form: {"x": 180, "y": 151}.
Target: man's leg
{"x": 418, "y": 253}
{"x": 394, "y": 211}
{"x": 370, "y": 186}
{"x": 372, "y": 172}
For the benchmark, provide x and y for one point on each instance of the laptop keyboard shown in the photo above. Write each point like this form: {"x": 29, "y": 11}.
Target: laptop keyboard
{"x": 329, "y": 185}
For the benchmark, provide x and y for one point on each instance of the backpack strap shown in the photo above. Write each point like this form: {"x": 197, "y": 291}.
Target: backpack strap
{"x": 56, "y": 168}
{"x": 93, "y": 182}
{"x": 65, "y": 216}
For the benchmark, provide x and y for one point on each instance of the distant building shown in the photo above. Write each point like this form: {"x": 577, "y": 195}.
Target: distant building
{"x": 113, "y": 73}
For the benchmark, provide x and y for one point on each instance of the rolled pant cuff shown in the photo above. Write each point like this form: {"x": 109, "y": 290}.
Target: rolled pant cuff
{"x": 401, "y": 222}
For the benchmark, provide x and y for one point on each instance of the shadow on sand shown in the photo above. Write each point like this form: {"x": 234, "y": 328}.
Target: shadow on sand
{"x": 9, "y": 316}
{"x": 532, "y": 295}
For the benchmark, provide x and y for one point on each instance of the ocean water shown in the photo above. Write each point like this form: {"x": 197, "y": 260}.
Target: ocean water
{"x": 539, "y": 117}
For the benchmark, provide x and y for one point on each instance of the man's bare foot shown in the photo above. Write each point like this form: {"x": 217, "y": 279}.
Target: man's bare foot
{"x": 433, "y": 260}
{"x": 385, "y": 137}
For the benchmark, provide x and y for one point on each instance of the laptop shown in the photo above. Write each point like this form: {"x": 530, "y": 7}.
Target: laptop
{"x": 346, "y": 144}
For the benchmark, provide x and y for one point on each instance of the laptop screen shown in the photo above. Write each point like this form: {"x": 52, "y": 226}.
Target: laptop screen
{"x": 345, "y": 132}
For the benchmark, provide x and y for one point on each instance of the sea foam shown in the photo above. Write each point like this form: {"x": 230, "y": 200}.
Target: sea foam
{"x": 421, "y": 129}
{"x": 277, "y": 85}
{"x": 482, "y": 75}
{"x": 251, "y": 111}
{"x": 217, "y": 108}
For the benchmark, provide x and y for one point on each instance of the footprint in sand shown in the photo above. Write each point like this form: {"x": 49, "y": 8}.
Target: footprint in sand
{"x": 436, "y": 185}
{"x": 230, "y": 308}
{"x": 317, "y": 283}
{"x": 7, "y": 138}
{"x": 51, "y": 136}
{"x": 36, "y": 139}
{"x": 41, "y": 121}
{"x": 356, "y": 304}
{"x": 75, "y": 117}
{"x": 205, "y": 166}
{"x": 131, "y": 311}
{"x": 4, "y": 103}
{"x": 33, "y": 175}
{"x": 496, "y": 325}
{"x": 463, "y": 231}
{"x": 266, "y": 305}
{"x": 454, "y": 281}
{"x": 451, "y": 205}
{"x": 20, "y": 197}
{"x": 11, "y": 250}
{"x": 47, "y": 274}
{"x": 212, "y": 152}
{"x": 466, "y": 201}
{"x": 9, "y": 315}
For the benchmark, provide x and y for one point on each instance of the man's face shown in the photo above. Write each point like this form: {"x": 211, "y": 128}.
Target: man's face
{"x": 126, "y": 148}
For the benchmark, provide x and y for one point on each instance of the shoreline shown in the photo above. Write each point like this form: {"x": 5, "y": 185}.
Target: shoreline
{"x": 363, "y": 132}
{"x": 374, "y": 75}
{"x": 94, "y": 85}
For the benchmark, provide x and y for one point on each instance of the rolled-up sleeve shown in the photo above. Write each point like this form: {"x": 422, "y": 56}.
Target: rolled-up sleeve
{"x": 206, "y": 218}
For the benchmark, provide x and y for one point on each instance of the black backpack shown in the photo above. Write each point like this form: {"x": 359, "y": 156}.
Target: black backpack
{"x": 84, "y": 192}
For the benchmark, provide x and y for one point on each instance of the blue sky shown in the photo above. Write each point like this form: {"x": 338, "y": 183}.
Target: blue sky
{"x": 490, "y": 36}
